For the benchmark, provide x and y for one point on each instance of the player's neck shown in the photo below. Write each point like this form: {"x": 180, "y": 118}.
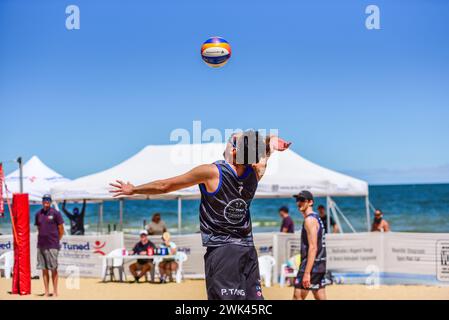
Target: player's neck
{"x": 238, "y": 168}
{"x": 308, "y": 212}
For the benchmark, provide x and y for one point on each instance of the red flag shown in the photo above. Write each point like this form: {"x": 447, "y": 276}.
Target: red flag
{"x": 2, "y": 178}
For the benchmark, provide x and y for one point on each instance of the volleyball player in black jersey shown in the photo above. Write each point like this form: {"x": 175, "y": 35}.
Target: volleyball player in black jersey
{"x": 311, "y": 273}
{"x": 227, "y": 189}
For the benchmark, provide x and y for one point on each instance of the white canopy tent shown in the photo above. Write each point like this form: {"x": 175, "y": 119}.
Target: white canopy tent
{"x": 287, "y": 174}
{"x": 38, "y": 179}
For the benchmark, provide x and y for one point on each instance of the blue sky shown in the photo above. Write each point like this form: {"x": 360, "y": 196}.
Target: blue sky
{"x": 373, "y": 103}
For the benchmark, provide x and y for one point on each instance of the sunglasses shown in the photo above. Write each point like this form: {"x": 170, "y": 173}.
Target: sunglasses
{"x": 301, "y": 199}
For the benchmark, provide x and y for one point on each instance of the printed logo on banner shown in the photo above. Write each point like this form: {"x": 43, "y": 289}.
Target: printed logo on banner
{"x": 98, "y": 246}
{"x": 442, "y": 259}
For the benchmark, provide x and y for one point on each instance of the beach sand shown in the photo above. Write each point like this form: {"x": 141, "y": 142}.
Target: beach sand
{"x": 195, "y": 289}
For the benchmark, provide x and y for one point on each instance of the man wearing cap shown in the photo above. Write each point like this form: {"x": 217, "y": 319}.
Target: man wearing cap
{"x": 311, "y": 273}
{"x": 142, "y": 266}
{"x": 50, "y": 228}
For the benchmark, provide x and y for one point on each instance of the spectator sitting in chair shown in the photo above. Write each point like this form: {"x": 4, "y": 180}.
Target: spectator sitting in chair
{"x": 168, "y": 266}
{"x": 142, "y": 266}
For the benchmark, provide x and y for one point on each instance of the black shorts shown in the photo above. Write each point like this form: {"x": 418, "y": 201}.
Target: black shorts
{"x": 317, "y": 281}
{"x": 232, "y": 273}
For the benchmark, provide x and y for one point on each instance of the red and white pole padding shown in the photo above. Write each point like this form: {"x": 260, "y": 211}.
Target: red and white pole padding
{"x": 21, "y": 283}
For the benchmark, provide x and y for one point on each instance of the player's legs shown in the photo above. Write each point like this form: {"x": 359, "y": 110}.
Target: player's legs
{"x": 317, "y": 286}
{"x": 225, "y": 279}
{"x": 300, "y": 294}
{"x": 320, "y": 294}
{"x": 251, "y": 270}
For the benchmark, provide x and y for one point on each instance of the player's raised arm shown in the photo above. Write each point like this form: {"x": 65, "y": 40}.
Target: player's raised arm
{"x": 273, "y": 144}
{"x": 206, "y": 174}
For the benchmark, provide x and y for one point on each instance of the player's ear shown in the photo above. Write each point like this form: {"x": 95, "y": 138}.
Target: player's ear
{"x": 234, "y": 153}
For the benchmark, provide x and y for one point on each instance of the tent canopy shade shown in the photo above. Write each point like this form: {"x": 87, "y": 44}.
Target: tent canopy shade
{"x": 38, "y": 179}
{"x": 287, "y": 174}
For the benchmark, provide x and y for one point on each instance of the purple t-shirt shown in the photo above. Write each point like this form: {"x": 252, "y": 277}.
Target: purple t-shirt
{"x": 47, "y": 223}
{"x": 288, "y": 223}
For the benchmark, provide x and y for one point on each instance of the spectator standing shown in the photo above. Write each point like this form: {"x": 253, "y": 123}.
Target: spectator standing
{"x": 323, "y": 217}
{"x": 157, "y": 225}
{"x": 287, "y": 225}
{"x": 76, "y": 219}
{"x": 379, "y": 223}
{"x": 50, "y": 228}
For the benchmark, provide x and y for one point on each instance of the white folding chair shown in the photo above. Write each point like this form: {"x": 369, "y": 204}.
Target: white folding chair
{"x": 266, "y": 264}
{"x": 113, "y": 262}
{"x": 290, "y": 269}
{"x": 180, "y": 258}
{"x": 7, "y": 263}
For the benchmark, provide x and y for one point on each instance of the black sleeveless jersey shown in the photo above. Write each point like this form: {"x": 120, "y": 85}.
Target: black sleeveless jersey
{"x": 319, "y": 265}
{"x": 224, "y": 213}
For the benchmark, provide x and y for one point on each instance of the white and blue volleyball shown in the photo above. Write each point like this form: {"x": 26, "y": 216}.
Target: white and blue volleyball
{"x": 215, "y": 52}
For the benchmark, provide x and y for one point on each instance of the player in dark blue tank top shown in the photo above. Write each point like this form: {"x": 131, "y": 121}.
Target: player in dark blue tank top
{"x": 312, "y": 271}
{"x": 227, "y": 189}
{"x": 224, "y": 214}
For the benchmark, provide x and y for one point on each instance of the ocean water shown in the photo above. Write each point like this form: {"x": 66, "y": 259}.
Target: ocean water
{"x": 408, "y": 208}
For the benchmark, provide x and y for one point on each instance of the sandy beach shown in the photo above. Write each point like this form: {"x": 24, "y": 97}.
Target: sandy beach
{"x": 195, "y": 290}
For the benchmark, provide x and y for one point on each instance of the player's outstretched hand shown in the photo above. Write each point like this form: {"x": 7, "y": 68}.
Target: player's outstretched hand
{"x": 279, "y": 144}
{"x": 122, "y": 189}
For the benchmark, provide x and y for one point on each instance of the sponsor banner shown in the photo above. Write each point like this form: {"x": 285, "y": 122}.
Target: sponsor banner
{"x": 80, "y": 254}
{"x": 369, "y": 258}
{"x": 389, "y": 258}
{"x": 83, "y": 253}
{"x": 354, "y": 251}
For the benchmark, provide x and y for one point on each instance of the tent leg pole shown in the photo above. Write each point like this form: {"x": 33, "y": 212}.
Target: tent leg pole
{"x": 334, "y": 212}
{"x": 20, "y": 162}
{"x": 100, "y": 220}
{"x": 328, "y": 213}
{"x": 368, "y": 222}
{"x": 121, "y": 203}
{"x": 179, "y": 214}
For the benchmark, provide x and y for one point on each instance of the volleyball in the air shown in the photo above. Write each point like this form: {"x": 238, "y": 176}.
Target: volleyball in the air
{"x": 215, "y": 52}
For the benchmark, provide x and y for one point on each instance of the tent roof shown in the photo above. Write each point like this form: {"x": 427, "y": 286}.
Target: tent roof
{"x": 38, "y": 179}
{"x": 287, "y": 174}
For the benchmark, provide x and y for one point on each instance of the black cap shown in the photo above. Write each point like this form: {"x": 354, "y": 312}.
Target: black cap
{"x": 46, "y": 197}
{"x": 307, "y": 195}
